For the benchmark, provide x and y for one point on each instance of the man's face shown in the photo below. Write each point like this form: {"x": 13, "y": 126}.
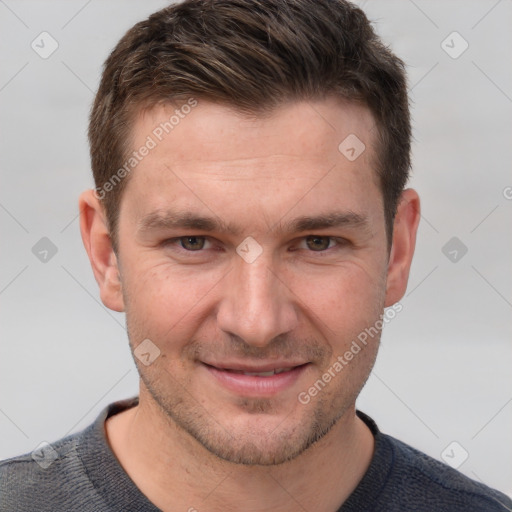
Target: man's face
{"x": 295, "y": 295}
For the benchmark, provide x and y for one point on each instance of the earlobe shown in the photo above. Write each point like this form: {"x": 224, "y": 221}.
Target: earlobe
{"x": 98, "y": 244}
{"x": 402, "y": 250}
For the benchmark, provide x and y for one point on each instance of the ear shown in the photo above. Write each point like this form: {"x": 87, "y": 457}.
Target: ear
{"x": 405, "y": 228}
{"x": 97, "y": 242}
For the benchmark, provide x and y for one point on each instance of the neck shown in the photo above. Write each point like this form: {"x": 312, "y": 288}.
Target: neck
{"x": 175, "y": 472}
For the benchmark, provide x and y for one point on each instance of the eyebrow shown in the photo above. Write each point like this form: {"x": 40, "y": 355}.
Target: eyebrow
{"x": 158, "y": 220}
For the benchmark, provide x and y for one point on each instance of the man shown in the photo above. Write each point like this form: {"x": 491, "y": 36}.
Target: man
{"x": 250, "y": 219}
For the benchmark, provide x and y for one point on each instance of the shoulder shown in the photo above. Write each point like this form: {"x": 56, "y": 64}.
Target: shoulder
{"x": 401, "y": 478}
{"x": 52, "y": 474}
{"x": 77, "y": 472}
{"x": 418, "y": 477}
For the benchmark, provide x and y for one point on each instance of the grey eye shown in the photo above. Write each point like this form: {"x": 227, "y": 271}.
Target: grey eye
{"x": 318, "y": 243}
{"x": 192, "y": 243}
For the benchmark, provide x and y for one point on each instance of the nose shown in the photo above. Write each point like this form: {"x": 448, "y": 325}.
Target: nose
{"x": 256, "y": 304}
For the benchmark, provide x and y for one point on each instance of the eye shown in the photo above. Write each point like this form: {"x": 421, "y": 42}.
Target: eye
{"x": 189, "y": 243}
{"x": 317, "y": 243}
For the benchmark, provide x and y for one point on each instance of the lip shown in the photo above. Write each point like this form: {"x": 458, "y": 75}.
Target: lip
{"x": 254, "y": 385}
{"x": 254, "y": 367}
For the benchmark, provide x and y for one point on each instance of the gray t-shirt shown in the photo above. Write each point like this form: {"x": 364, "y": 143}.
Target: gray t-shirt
{"x": 80, "y": 472}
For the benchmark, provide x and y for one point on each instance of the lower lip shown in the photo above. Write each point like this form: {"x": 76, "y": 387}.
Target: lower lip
{"x": 252, "y": 385}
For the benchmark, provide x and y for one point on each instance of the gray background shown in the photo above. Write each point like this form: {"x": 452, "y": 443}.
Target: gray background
{"x": 443, "y": 373}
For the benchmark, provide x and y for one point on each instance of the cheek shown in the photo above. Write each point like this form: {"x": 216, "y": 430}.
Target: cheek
{"x": 164, "y": 303}
{"x": 346, "y": 307}
{"x": 346, "y": 298}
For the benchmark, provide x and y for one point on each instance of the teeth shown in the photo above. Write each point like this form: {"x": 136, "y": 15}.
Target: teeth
{"x": 267, "y": 374}
{"x": 260, "y": 374}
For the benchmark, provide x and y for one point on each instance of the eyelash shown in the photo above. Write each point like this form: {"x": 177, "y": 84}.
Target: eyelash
{"x": 175, "y": 241}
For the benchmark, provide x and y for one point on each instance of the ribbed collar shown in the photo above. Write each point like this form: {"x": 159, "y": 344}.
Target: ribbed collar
{"x": 108, "y": 477}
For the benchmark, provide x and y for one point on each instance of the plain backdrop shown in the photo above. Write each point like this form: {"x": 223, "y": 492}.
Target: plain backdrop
{"x": 443, "y": 371}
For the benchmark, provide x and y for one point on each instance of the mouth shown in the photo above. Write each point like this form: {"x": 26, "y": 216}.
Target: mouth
{"x": 253, "y": 380}
{"x": 269, "y": 373}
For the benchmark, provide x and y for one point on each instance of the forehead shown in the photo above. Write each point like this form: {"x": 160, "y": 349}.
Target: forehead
{"x": 297, "y": 128}
{"x": 212, "y": 151}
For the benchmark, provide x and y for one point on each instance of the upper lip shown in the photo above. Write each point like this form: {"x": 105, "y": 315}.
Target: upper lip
{"x": 254, "y": 367}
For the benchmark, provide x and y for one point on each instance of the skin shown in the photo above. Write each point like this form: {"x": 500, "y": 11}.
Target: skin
{"x": 191, "y": 443}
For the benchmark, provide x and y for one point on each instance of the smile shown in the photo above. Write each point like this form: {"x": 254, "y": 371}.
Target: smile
{"x": 261, "y": 374}
{"x": 254, "y": 381}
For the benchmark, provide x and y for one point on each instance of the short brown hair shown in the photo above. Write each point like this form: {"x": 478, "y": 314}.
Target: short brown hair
{"x": 253, "y": 55}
